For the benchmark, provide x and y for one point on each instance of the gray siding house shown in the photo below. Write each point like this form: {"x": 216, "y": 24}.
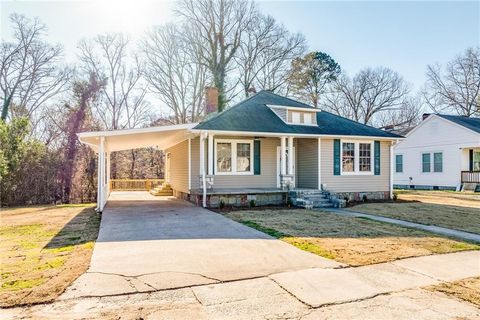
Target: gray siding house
{"x": 261, "y": 149}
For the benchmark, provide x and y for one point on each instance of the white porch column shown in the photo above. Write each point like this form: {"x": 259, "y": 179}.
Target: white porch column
{"x": 210, "y": 154}
{"x": 108, "y": 174}
{"x": 283, "y": 164}
{"x": 392, "y": 164}
{"x": 290, "y": 156}
{"x": 319, "y": 158}
{"x": 101, "y": 174}
{"x": 202, "y": 169}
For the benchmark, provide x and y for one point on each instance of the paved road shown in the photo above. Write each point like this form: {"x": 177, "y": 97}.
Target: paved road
{"x": 149, "y": 243}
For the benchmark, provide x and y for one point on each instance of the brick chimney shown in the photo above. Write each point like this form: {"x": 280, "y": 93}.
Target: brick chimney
{"x": 425, "y": 116}
{"x": 211, "y": 100}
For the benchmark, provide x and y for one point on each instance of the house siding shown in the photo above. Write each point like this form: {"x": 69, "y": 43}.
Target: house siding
{"x": 435, "y": 135}
{"x": 307, "y": 163}
{"x": 354, "y": 183}
{"x": 179, "y": 166}
{"x": 268, "y": 173}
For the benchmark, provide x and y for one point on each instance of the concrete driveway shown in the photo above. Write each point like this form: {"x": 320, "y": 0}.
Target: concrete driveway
{"x": 150, "y": 243}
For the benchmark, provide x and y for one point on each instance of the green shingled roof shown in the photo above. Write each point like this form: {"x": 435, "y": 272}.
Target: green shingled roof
{"x": 253, "y": 115}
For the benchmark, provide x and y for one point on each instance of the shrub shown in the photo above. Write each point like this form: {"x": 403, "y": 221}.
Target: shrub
{"x": 252, "y": 203}
{"x": 364, "y": 198}
{"x": 221, "y": 205}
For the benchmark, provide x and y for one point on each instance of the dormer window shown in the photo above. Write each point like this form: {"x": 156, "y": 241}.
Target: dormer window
{"x": 307, "y": 118}
{"x": 296, "y": 117}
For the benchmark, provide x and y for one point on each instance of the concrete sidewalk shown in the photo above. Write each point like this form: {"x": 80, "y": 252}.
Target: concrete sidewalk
{"x": 382, "y": 291}
{"x": 318, "y": 287}
{"x": 434, "y": 229}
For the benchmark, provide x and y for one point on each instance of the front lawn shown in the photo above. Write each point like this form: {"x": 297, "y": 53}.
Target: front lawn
{"x": 354, "y": 241}
{"x": 43, "y": 249}
{"x": 431, "y": 208}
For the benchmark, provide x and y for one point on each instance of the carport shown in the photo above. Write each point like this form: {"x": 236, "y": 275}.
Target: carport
{"x": 105, "y": 142}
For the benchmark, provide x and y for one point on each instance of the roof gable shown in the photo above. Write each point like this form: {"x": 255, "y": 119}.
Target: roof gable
{"x": 467, "y": 122}
{"x": 254, "y": 115}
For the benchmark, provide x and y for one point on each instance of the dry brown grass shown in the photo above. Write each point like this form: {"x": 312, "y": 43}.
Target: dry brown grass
{"x": 431, "y": 208}
{"x": 354, "y": 241}
{"x": 466, "y": 289}
{"x": 43, "y": 249}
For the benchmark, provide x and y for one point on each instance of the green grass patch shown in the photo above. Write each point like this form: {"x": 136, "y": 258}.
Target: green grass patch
{"x": 53, "y": 263}
{"x": 271, "y": 232}
{"x": 309, "y": 247}
{"x": 60, "y": 249}
{"x": 75, "y": 205}
{"x": 20, "y": 284}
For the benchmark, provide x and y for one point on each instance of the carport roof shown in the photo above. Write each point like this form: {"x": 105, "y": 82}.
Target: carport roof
{"x": 160, "y": 137}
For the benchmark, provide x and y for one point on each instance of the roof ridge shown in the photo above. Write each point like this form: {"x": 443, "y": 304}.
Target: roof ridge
{"x": 284, "y": 97}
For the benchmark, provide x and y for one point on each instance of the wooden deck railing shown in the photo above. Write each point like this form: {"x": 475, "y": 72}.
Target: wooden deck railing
{"x": 134, "y": 184}
{"x": 470, "y": 176}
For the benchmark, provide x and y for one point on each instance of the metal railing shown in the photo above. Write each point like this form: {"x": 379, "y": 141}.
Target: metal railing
{"x": 134, "y": 184}
{"x": 470, "y": 177}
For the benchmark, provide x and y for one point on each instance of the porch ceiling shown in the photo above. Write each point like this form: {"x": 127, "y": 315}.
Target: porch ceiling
{"x": 159, "y": 137}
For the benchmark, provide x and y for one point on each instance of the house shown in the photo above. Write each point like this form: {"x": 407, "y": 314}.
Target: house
{"x": 261, "y": 149}
{"x": 442, "y": 152}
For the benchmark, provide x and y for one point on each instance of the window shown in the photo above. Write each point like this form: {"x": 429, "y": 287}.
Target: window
{"x": 425, "y": 162}
{"x": 348, "y": 157}
{"x": 357, "y": 157}
{"x": 365, "y": 157}
{"x": 476, "y": 161}
{"x": 307, "y": 118}
{"x": 437, "y": 162}
{"x": 243, "y": 157}
{"x": 399, "y": 163}
{"x": 296, "y": 117}
{"x": 234, "y": 156}
{"x": 224, "y": 157}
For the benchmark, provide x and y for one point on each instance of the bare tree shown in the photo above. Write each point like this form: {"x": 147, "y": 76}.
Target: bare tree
{"x": 29, "y": 69}
{"x": 85, "y": 93}
{"x": 265, "y": 54}
{"x": 107, "y": 57}
{"x": 173, "y": 73}
{"x": 216, "y": 29}
{"x": 311, "y": 74}
{"x": 407, "y": 115}
{"x": 369, "y": 93}
{"x": 457, "y": 88}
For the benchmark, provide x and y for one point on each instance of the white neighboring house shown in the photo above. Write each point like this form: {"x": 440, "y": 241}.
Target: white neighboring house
{"x": 442, "y": 152}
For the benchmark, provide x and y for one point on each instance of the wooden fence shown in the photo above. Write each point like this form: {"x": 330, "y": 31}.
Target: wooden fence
{"x": 134, "y": 184}
{"x": 470, "y": 176}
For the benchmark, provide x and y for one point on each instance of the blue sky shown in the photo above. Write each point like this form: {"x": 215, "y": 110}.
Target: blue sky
{"x": 402, "y": 35}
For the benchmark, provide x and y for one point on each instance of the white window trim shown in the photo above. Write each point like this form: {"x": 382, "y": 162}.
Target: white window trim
{"x": 356, "y": 159}
{"x": 403, "y": 163}
{"x": 234, "y": 171}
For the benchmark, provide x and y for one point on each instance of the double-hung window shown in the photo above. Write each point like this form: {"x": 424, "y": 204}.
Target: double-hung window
{"x": 438, "y": 162}
{"x": 425, "y": 162}
{"x": 432, "y": 161}
{"x": 357, "y": 157}
{"x": 399, "y": 163}
{"x": 348, "y": 157}
{"x": 234, "y": 156}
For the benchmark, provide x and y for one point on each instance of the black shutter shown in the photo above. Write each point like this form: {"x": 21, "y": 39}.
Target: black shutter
{"x": 256, "y": 157}
{"x": 471, "y": 159}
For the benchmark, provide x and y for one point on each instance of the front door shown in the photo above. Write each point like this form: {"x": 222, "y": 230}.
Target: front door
{"x": 279, "y": 168}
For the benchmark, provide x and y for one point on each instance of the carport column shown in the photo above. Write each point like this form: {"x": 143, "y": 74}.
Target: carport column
{"x": 290, "y": 156}
{"x": 108, "y": 174}
{"x": 101, "y": 174}
{"x": 283, "y": 164}
{"x": 202, "y": 168}
{"x": 210, "y": 154}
